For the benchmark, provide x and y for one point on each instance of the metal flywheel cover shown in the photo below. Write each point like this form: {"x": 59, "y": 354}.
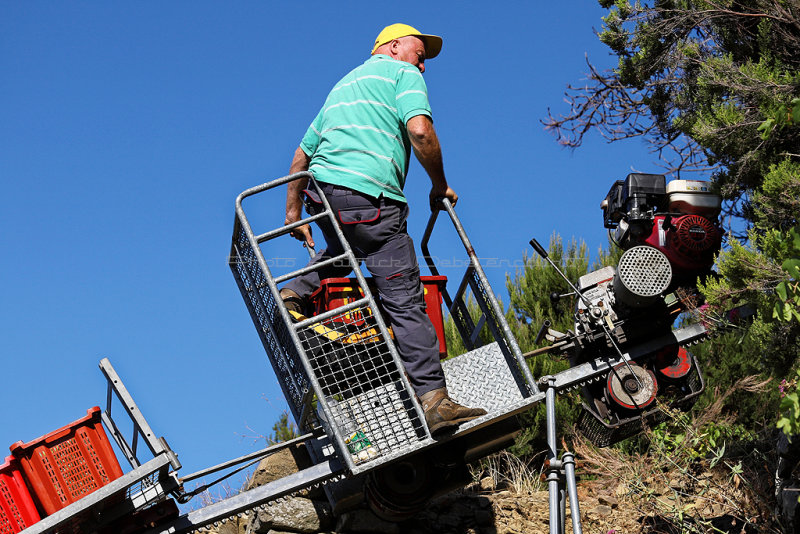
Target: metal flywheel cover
{"x": 624, "y": 390}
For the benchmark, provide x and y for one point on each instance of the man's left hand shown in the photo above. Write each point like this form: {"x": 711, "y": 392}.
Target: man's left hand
{"x": 437, "y": 193}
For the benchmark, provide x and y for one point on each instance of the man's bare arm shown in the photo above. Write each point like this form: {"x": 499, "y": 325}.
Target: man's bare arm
{"x": 294, "y": 204}
{"x": 429, "y": 153}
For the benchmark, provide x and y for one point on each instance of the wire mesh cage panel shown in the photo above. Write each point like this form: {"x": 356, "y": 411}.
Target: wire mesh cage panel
{"x": 338, "y": 370}
{"x": 273, "y": 330}
{"x": 362, "y": 386}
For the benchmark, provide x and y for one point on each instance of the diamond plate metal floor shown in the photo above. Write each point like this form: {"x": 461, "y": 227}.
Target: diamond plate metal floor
{"x": 482, "y": 378}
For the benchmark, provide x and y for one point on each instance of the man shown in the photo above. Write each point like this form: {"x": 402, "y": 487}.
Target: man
{"x": 358, "y": 150}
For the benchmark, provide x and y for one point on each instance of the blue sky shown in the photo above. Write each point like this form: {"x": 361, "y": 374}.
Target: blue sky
{"x": 128, "y": 129}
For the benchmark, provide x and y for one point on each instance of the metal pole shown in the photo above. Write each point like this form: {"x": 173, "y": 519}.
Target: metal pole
{"x": 554, "y": 465}
{"x": 568, "y": 459}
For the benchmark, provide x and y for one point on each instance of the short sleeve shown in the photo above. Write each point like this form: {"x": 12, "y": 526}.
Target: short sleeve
{"x": 411, "y": 94}
{"x": 311, "y": 139}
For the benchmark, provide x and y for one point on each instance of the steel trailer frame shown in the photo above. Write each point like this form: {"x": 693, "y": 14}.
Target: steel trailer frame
{"x": 146, "y": 485}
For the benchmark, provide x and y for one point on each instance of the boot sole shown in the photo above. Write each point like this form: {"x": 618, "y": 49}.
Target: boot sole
{"x": 444, "y": 426}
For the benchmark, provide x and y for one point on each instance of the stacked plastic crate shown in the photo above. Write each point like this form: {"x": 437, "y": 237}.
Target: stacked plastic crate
{"x": 17, "y": 509}
{"x": 49, "y": 473}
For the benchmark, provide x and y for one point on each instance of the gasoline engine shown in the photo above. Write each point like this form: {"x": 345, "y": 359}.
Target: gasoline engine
{"x": 669, "y": 234}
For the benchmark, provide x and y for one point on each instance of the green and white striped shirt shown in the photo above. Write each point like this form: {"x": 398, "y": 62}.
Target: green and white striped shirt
{"x": 359, "y": 138}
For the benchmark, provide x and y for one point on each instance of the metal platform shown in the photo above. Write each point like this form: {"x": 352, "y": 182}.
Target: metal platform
{"x": 344, "y": 381}
{"x": 340, "y": 371}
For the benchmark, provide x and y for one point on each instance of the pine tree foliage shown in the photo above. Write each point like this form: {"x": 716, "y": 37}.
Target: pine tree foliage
{"x": 711, "y": 86}
{"x": 284, "y": 429}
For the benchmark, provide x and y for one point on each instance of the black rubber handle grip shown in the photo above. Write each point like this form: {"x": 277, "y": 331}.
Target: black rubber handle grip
{"x": 542, "y": 331}
{"x": 538, "y": 248}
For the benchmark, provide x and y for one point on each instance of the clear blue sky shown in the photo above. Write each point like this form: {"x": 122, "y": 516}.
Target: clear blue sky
{"x": 128, "y": 129}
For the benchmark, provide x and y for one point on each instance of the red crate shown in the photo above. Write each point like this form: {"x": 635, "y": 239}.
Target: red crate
{"x": 17, "y": 509}
{"x": 336, "y": 292}
{"x": 69, "y": 463}
{"x": 433, "y": 286}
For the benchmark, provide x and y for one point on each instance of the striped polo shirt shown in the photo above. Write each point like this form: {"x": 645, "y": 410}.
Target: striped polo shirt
{"x": 359, "y": 138}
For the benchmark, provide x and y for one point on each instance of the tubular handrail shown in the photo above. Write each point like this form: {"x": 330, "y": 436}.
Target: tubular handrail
{"x": 458, "y": 302}
{"x": 242, "y": 226}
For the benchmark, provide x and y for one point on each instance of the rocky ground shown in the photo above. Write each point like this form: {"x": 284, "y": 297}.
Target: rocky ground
{"x": 468, "y": 512}
{"x": 608, "y": 506}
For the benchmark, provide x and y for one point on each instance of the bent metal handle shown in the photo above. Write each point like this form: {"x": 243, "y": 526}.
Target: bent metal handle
{"x": 497, "y": 310}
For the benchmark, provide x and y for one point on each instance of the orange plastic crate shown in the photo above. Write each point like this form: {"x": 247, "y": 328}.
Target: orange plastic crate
{"x": 336, "y": 292}
{"x": 69, "y": 463}
{"x": 17, "y": 509}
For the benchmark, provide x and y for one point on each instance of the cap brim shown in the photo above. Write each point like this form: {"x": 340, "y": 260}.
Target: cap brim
{"x": 433, "y": 45}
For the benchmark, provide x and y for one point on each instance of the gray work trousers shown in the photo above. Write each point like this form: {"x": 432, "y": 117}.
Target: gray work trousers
{"x": 376, "y": 231}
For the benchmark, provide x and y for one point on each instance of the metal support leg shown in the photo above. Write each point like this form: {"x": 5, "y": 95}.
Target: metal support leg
{"x": 554, "y": 465}
{"x": 568, "y": 459}
{"x": 559, "y": 472}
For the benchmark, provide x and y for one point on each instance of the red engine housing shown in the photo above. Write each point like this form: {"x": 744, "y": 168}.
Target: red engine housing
{"x": 688, "y": 241}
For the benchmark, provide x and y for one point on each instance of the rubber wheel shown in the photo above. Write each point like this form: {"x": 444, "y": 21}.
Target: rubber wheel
{"x": 400, "y": 490}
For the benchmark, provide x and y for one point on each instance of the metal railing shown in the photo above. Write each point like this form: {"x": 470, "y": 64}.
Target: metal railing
{"x": 491, "y": 313}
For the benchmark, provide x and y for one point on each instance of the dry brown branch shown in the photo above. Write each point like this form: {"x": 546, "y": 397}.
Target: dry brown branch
{"x": 684, "y": 46}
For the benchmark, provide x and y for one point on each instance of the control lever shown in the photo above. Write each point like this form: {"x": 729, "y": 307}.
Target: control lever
{"x": 543, "y": 253}
{"x": 542, "y": 331}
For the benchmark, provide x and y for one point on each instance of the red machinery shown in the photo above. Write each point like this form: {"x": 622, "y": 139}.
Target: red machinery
{"x": 669, "y": 234}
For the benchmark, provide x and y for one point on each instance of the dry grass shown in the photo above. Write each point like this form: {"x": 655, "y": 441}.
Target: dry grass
{"x": 681, "y": 484}
{"x": 507, "y": 471}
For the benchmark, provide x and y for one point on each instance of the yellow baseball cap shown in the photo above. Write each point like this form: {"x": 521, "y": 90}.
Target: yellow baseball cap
{"x": 433, "y": 43}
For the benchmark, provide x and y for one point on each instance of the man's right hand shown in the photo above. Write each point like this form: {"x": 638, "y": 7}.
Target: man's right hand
{"x": 294, "y": 205}
{"x": 301, "y": 233}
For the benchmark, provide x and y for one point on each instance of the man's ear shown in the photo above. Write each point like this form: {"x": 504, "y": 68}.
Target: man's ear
{"x": 394, "y": 47}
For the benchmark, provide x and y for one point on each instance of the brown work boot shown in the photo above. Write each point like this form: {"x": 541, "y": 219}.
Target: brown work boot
{"x": 292, "y": 301}
{"x": 442, "y": 413}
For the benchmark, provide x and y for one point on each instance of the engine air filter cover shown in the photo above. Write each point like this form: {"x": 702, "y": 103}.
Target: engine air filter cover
{"x": 643, "y": 274}
{"x": 632, "y": 386}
